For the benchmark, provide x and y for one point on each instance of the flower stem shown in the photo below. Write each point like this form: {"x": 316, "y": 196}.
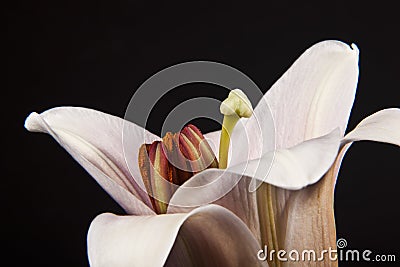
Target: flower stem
{"x": 228, "y": 124}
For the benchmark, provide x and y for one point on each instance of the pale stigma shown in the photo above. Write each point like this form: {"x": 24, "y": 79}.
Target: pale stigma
{"x": 236, "y": 106}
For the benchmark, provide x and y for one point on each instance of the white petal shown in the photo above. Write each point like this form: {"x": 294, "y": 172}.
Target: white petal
{"x": 205, "y": 187}
{"x": 253, "y": 137}
{"x": 315, "y": 95}
{"x": 382, "y": 126}
{"x": 208, "y": 236}
{"x": 94, "y": 139}
{"x": 296, "y": 167}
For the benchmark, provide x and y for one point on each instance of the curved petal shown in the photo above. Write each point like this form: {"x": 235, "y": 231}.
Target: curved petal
{"x": 208, "y": 236}
{"x": 230, "y": 191}
{"x": 315, "y": 95}
{"x": 382, "y": 126}
{"x": 94, "y": 139}
{"x": 310, "y": 211}
{"x": 296, "y": 167}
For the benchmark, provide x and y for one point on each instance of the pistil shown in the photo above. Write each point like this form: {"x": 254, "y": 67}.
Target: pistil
{"x": 236, "y": 106}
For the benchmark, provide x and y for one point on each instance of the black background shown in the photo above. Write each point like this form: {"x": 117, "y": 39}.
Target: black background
{"x": 96, "y": 54}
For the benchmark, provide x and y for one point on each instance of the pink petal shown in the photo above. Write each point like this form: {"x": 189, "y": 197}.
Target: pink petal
{"x": 94, "y": 139}
{"x": 315, "y": 95}
{"x": 382, "y": 126}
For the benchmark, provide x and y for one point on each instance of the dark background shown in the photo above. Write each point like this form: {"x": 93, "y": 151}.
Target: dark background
{"x": 96, "y": 54}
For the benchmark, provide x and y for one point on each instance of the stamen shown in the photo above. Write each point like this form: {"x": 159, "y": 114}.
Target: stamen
{"x": 196, "y": 149}
{"x": 154, "y": 169}
{"x": 172, "y": 162}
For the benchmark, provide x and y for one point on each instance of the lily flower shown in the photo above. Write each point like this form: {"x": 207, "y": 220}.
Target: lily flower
{"x": 292, "y": 208}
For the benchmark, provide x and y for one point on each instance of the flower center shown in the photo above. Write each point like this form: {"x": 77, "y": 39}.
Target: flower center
{"x": 169, "y": 163}
{"x": 172, "y": 161}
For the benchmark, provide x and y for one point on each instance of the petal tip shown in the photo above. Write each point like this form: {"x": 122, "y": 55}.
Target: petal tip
{"x": 32, "y": 123}
{"x": 336, "y": 45}
{"x": 355, "y": 48}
